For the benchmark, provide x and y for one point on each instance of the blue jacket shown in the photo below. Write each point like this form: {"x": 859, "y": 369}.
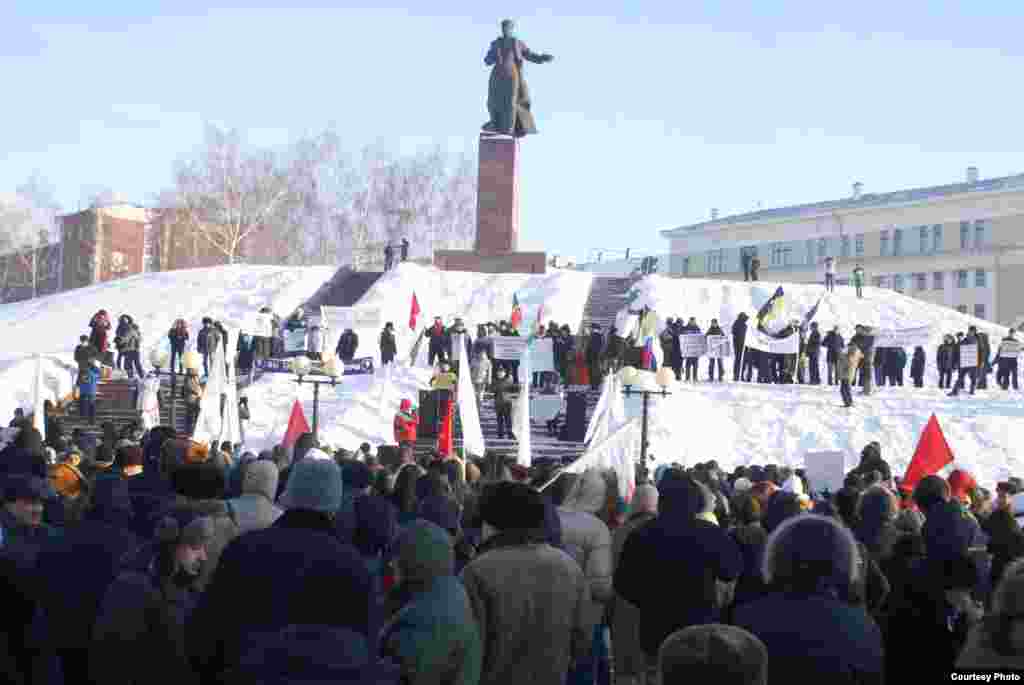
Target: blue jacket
{"x": 88, "y": 381}
{"x": 816, "y": 637}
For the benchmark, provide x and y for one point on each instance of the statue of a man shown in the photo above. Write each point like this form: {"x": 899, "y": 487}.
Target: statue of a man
{"x": 508, "y": 99}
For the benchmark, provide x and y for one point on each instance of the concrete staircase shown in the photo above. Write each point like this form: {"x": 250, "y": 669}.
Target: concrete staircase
{"x": 607, "y": 297}
{"x": 344, "y": 289}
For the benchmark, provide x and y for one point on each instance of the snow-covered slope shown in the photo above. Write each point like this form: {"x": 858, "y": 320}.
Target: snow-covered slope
{"x": 749, "y": 423}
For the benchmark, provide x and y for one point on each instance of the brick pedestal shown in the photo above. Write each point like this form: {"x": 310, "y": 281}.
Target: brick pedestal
{"x": 497, "y": 216}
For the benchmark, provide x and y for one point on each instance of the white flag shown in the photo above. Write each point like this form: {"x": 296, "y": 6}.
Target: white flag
{"x": 230, "y": 428}
{"x": 472, "y": 434}
{"x": 618, "y": 452}
{"x": 600, "y": 410}
{"x": 209, "y": 424}
{"x": 523, "y": 410}
{"x": 38, "y": 409}
{"x": 616, "y": 406}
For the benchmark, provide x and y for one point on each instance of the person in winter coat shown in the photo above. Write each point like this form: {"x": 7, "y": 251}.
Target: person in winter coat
{"x": 123, "y": 325}
{"x": 587, "y": 539}
{"x": 714, "y": 653}
{"x": 202, "y": 343}
{"x": 21, "y": 519}
{"x": 88, "y": 382}
{"x": 669, "y": 568}
{"x": 434, "y": 637}
{"x": 984, "y": 359}
{"x": 255, "y": 509}
{"x": 865, "y": 340}
{"x": 691, "y": 362}
{"x": 480, "y": 358}
{"x": 917, "y": 367}
{"x": 830, "y": 274}
{"x": 613, "y": 350}
{"x": 192, "y": 390}
{"x": 178, "y": 337}
{"x": 755, "y": 267}
{"x": 944, "y": 362}
{"x": 813, "y": 352}
{"x": 715, "y": 329}
{"x": 406, "y": 423}
{"x": 1007, "y": 361}
{"x": 388, "y": 345}
{"x": 529, "y": 599}
{"x": 131, "y": 343}
{"x": 437, "y": 337}
{"x": 995, "y": 644}
{"x": 140, "y": 628}
{"x": 968, "y": 364}
{"x": 85, "y": 353}
{"x": 100, "y": 325}
{"x": 833, "y": 344}
{"x": 809, "y": 562}
{"x": 846, "y": 368}
{"x": 459, "y": 342}
{"x": 595, "y": 353}
{"x": 739, "y": 337}
{"x": 858, "y": 280}
{"x": 630, "y": 662}
{"x": 348, "y": 343}
{"x": 502, "y": 388}
{"x": 667, "y": 340}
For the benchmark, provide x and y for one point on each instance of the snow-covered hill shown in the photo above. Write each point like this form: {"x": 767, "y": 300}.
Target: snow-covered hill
{"x": 748, "y": 423}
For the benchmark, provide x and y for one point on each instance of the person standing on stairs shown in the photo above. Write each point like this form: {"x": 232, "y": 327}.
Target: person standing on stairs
{"x": 201, "y": 344}
{"x": 437, "y": 345}
{"x": 389, "y": 256}
{"x": 595, "y": 353}
{"x": 388, "y": 345}
{"x": 192, "y": 391}
{"x": 88, "y": 381}
{"x": 178, "y": 337}
{"x": 503, "y": 388}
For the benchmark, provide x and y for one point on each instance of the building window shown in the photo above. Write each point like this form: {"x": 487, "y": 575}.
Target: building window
{"x": 686, "y": 266}
{"x": 962, "y": 308}
{"x": 979, "y": 278}
{"x": 782, "y": 254}
{"x": 961, "y": 278}
{"x": 897, "y": 283}
{"x": 965, "y": 235}
{"x": 810, "y": 251}
{"x": 822, "y": 247}
{"x": 884, "y": 238}
{"x": 979, "y": 311}
{"x": 859, "y": 245}
{"x": 844, "y": 246}
{"x": 921, "y": 281}
{"x": 897, "y": 241}
{"x": 924, "y": 239}
{"x": 937, "y": 238}
{"x": 937, "y": 281}
{"x": 979, "y": 233}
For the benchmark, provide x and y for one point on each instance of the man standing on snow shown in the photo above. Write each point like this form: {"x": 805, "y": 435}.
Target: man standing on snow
{"x": 968, "y": 361}
{"x": 846, "y": 367}
{"x": 202, "y": 344}
{"x": 813, "y": 350}
{"x": 739, "y": 337}
{"x": 1009, "y": 352}
{"x": 405, "y": 249}
{"x": 858, "y": 280}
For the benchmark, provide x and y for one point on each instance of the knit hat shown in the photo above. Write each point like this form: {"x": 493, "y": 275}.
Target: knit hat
{"x": 425, "y": 552}
{"x": 440, "y": 511}
{"x": 811, "y": 549}
{"x": 512, "y": 506}
{"x": 713, "y": 653}
{"x": 67, "y": 480}
{"x": 317, "y": 453}
{"x": 313, "y": 484}
{"x": 184, "y": 527}
{"x": 960, "y": 484}
{"x": 198, "y": 481}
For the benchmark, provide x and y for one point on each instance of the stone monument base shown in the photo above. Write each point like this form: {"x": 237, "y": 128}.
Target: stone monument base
{"x": 508, "y": 263}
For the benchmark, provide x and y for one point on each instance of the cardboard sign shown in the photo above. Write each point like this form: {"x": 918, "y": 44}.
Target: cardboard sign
{"x": 692, "y": 345}
{"x": 759, "y": 341}
{"x": 719, "y": 347}
{"x": 968, "y": 356}
{"x": 508, "y": 347}
{"x": 359, "y": 366}
{"x": 295, "y": 340}
{"x": 825, "y": 470}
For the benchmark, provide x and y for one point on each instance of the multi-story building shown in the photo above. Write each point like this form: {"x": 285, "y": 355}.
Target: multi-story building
{"x": 103, "y": 243}
{"x": 959, "y": 245}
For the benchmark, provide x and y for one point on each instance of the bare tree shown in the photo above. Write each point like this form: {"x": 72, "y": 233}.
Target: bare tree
{"x": 27, "y": 225}
{"x": 230, "y": 193}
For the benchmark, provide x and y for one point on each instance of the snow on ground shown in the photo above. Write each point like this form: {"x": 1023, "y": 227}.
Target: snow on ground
{"x": 759, "y": 424}
{"x": 51, "y": 325}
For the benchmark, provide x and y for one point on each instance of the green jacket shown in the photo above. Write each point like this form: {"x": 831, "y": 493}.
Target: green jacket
{"x": 435, "y": 638}
{"x": 858, "y": 276}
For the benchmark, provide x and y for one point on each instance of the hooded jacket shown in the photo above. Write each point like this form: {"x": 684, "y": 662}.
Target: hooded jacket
{"x": 255, "y": 509}
{"x": 587, "y": 539}
{"x": 669, "y": 567}
{"x": 406, "y": 423}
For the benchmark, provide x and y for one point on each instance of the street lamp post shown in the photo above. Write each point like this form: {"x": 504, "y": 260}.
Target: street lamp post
{"x": 300, "y": 367}
{"x": 629, "y": 377}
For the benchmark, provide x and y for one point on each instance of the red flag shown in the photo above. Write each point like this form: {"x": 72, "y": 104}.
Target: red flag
{"x": 446, "y": 435}
{"x": 297, "y": 425}
{"x": 932, "y": 454}
{"x": 517, "y": 313}
{"x": 414, "y": 312}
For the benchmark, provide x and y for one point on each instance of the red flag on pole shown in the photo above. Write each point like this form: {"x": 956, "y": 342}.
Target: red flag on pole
{"x": 931, "y": 455}
{"x": 297, "y": 425}
{"x": 517, "y": 313}
{"x": 414, "y": 312}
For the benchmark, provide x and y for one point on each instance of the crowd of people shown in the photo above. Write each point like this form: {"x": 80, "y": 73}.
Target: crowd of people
{"x": 306, "y": 565}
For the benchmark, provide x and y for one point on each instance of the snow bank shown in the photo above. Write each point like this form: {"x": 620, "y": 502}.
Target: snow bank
{"x": 759, "y": 424}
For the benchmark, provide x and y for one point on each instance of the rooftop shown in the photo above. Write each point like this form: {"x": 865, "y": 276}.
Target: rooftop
{"x": 863, "y": 201}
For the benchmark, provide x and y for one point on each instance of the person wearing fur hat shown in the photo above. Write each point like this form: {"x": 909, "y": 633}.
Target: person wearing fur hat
{"x": 529, "y": 599}
{"x": 22, "y": 525}
{"x": 809, "y": 562}
{"x": 670, "y": 567}
{"x": 434, "y": 636}
{"x": 140, "y": 627}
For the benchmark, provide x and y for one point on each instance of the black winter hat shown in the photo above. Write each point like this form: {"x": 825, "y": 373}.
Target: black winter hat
{"x": 199, "y": 481}
{"x": 512, "y": 506}
{"x": 811, "y": 550}
{"x": 725, "y": 655}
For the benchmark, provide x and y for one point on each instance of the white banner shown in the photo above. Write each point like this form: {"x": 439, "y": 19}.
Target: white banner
{"x": 340, "y": 318}
{"x": 295, "y": 340}
{"x": 472, "y": 433}
{"x": 260, "y": 325}
{"x": 692, "y": 345}
{"x": 719, "y": 347}
{"x": 825, "y": 470}
{"x": 508, "y": 347}
{"x": 905, "y": 337}
{"x": 542, "y": 355}
{"x": 759, "y": 341}
{"x": 522, "y": 423}
{"x": 968, "y": 356}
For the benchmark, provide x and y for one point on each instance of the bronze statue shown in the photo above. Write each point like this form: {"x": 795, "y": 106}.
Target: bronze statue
{"x": 508, "y": 99}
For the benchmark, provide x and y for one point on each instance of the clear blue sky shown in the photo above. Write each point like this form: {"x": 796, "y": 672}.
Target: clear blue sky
{"x": 647, "y": 118}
